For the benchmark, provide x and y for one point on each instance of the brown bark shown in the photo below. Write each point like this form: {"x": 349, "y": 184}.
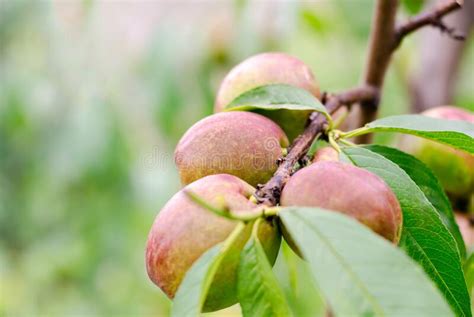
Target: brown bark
{"x": 378, "y": 57}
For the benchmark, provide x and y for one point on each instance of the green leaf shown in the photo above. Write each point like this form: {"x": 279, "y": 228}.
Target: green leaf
{"x": 258, "y": 290}
{"x": 193, "y": 290}
{"x": 456, "y": 133}
{"x": 314, "y": 20}
{"x": 276, "y": 97}
{"x": 429, "y": 185}
{"x": 469, "y": 272}
{"x": 302, "y": 293}
{"x": 360, "y": 273}
{"x": 424, "y": 237}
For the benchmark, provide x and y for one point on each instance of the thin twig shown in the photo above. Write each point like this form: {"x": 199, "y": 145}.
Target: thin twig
{"x": 385, "y": 39}
{"x": 245, "y": 216}
{"x": 430, "y": 17}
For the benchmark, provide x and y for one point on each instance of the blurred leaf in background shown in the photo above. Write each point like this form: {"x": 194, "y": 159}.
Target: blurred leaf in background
{"x": 412, "y": 6}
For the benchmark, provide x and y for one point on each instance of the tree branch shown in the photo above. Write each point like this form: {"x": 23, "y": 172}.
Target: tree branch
{"x": 430, "y": 17}
{"x": 378, "y": 57}
{"x": 384, "y": 40}
{"x": 269, "y": 194}
{"x": 433, "y": 81}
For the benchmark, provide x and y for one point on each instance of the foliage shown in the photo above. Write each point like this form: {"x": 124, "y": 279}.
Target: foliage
{"x": 424, "y": 237}
{"x": 192, "y": 294}
{"x": 428, "y": 184}
{"x": 381, "y": 280}
{"x": 258, "y": 289}
{"x": 92, "y": 102}
{"x": 276, "y": 97}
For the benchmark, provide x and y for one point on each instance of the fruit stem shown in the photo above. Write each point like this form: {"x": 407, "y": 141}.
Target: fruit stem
{"x": 262, "y": 212}
{"x": 255, "y": 228}
{"x": 347, "y": 142}
{"x": 232, "y": 237}
{"x": 353, "y": 133}
{"x": 244, "y": 216}
{"x": 329, "y": 120}
{"x": 332, "y": 141}
{"x": 253, "y": 199}
{"x": 270, "y": 211}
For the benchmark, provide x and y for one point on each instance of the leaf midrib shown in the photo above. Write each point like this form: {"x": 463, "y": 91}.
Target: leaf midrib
{"x": 356, "y": 279}
{"x": 436, "y": 271}
{"x": 264, "y": 281}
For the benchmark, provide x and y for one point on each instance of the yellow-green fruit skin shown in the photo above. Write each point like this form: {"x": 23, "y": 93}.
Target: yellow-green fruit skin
{"x": 347, "y": 189}
{"x": 454, "y": 168}
{"x": 243, "y": 144}
{"x": 183, "y": 231}
{"x": 266, "y": 69}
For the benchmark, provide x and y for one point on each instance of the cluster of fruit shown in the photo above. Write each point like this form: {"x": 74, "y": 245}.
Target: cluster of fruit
{"x": 223, "y": 157}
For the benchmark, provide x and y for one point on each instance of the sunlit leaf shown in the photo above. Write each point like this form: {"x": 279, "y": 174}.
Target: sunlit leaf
{"x": 424, "y": 237}
{"x": 275, "y": 97}
{"x": 456, "y": 133}
{"x": 360, "y": 273}
{"x": 192, "y": 292}
{"x": 258, "y": 290}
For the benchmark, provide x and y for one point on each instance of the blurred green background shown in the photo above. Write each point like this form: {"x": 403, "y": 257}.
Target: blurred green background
{"x": 94, "y": 96}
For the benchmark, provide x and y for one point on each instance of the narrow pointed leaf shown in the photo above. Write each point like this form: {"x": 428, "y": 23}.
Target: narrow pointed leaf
{"x": 275, "y": 97}
{"x": 192, "y": 292}
{"x": 429, "y": 185}
{"x": 456, "y": 133}
{"x": 302, "y": 293}
{"x": 360, "y": 273}
{"x": 469, "y": 272}
{"x": 258, "y": 290}
{"x": 424, "y": 237}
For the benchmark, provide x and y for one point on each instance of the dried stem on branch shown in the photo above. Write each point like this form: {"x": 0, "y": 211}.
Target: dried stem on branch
{"x": 384, "y": 40}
